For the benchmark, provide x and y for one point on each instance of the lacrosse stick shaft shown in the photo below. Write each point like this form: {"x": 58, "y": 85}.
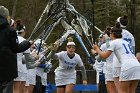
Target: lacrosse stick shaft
{"x": 82, "y": 44}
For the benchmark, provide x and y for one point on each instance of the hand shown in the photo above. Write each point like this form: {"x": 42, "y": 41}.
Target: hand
{"x": 106, "y": 36}
{"x": 95, "y": 47}
{"x": 37, "y": 63}
{"x": 98, "y": 58}
{"x": 34, "y": 54}
{"x": 54, "y": 47}
{"x": 85, "y": 82}
{"x": 93, "y": 51}
{"x": 31, "y": 42}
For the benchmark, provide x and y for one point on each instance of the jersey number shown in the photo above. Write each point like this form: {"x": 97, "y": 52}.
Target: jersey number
{"x": 69, "y": 68}
{"x": 128, "y": 40}
{"x": 128, "y": 48}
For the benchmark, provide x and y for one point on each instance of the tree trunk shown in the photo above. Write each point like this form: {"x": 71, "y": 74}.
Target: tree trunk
{"x": 14, "y": 9}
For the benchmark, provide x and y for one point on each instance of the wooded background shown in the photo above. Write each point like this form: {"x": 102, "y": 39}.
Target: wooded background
{"x": 105, "y": 14}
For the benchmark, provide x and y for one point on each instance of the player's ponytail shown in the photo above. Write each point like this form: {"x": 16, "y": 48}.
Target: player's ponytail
{"x": 123, "y": 21}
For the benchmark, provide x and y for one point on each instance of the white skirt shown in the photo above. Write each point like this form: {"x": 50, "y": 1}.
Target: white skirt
{"x": 65, "y": 81}
{"x": 31, "y": 77}
{"x": 30, "y": 80}
{"x": 65, "y": 77}
{"x": 116, "y": 71}
{"x": 44, "y": 81}
{"x": 109, "y": 73}
{"x": 109, "y": 77}
{"x": 130, "y": 74}
{"x": 21, "y": 76}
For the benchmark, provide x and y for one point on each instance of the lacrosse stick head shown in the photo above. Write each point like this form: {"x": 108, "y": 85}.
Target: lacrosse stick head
{"x": 38, "y": 43}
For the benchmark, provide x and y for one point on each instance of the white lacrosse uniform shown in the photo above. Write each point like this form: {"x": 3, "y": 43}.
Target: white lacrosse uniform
{"x": 40, "y": 72}
{"x": 98, "y": 66}
{"x": 22, "y": 69}
{"x": 31, "y": 77}
{"x": 66, "y": 73}
{"x": 130, "y": 66}
{"x": 126, "y": 35}
{"x": 109, "y": 64}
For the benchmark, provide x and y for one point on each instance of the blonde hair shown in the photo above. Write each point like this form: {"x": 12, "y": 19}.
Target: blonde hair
{"x": 70, "y": 39}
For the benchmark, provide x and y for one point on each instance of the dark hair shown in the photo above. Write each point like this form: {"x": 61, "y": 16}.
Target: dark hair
{"x": 124, "y": 20}
{"x": 107, "y": 31}
{"x": 117, "y": 31}
{"x": 19, "y": 26}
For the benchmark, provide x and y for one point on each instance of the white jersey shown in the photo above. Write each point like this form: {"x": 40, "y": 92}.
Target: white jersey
{"x": 40, "y": 71}
{"x": 67, "y": 65}
{"x": 124, "y": 53}
{"x": 116, "y": 62}
{"x": 98, "y": 66}
{"x": 21, "y": 67}
{"x": 126, "y": 35}
{"x": 109, "y": 60}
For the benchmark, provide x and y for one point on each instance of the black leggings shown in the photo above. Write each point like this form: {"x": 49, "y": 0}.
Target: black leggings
{"x": 39, "y": 88}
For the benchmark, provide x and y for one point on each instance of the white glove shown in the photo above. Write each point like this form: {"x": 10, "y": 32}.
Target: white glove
{"x": 48, "y": 67}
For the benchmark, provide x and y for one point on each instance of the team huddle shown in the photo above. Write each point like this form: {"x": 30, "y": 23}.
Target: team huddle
{"x": 121, "y": 65}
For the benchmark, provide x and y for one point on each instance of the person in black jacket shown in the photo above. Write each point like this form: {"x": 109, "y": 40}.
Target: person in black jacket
{"x": 9, "y": 47}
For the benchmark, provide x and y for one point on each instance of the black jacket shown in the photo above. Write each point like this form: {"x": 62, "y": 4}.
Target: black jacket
{"x": 8, "y": 48}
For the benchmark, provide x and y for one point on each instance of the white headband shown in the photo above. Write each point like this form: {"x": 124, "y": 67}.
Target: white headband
{"x": 12, "y": 22}
{"x": 118, "y": 20}
{"x": 71, "y": 43}
{"x": 22, "y": 30}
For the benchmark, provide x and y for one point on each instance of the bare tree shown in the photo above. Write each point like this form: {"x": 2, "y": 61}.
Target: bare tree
{"x": 14, "y": 9}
